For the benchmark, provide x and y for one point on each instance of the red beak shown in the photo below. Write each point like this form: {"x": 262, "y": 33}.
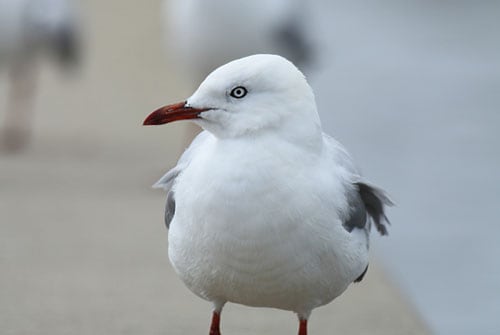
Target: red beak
{"x": 171, "y": 113}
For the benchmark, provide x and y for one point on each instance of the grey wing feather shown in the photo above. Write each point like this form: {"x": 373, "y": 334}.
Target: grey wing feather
{"x": 370, "y": 201}
{"x": 357, "y": 217}
{"x": 375, "y": 200}
{"x": 169, "y": 208}
{"x": 166, "y": 182}
{"x": 366, "y": 202}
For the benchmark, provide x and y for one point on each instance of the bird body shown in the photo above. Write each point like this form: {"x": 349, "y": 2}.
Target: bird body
{"x": 263, "y": 208}
{"x": 224, "y": 246}
{"x": 207, "y": 34}
{"x": 30, "y": 29}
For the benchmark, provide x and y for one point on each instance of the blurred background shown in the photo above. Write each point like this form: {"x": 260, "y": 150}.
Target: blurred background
{"x": 411, "y": 88}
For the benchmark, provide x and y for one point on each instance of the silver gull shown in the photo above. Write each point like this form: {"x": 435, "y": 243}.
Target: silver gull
{"x": 263, "y": 208}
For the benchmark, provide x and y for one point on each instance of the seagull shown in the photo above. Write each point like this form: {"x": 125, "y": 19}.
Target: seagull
{"x": 263, "y": 208}
{"x": 28, "y": 30}
{"x": 207, "y": 34}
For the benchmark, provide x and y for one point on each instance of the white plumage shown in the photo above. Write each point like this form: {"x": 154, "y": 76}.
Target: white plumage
{"x": 264, "y": 209}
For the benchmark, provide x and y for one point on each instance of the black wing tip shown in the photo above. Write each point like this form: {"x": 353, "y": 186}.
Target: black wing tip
{"x": 362, "y": 275}
{"x": 381, "y": 224}
{"x": 375, "y": 201}
{"x": 381, "y": 228}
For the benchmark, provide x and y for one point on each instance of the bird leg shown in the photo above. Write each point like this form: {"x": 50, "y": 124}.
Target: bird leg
{"x": 215, "y": 326}
{"x": 18, "y": 118}
{"x": 303, "y": 327}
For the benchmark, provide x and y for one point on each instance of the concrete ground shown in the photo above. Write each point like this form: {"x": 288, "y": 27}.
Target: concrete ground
{"x": 82, "y": 241}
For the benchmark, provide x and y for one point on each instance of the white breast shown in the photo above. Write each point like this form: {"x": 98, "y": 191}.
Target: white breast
{"x": 264, "y": 236}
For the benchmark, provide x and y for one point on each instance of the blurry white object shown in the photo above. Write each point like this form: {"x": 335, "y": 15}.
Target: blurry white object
{"x": 30, "y": 29}
{"x": 207, "y": 34}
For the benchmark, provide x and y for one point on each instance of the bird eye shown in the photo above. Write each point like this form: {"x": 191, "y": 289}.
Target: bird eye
{"x": 238, "y": 92}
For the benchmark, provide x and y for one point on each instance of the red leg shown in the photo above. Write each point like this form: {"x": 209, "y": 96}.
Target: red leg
{"x": 303, "y": 327}
{"x": 215, "y": 326}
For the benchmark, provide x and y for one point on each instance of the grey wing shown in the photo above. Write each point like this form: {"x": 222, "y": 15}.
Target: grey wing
{"x": 356, "y": 215}
{"x": 169, "y": 208}
{"x": 367, "y": 204}
{"x": 375, "y": 200}
{"x": 166, "y": 182}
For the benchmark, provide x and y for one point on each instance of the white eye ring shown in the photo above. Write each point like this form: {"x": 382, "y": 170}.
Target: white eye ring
{"x": 238, "y": 92}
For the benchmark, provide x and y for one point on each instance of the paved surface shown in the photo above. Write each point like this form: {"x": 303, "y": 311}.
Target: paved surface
{"x": 82, "y": 242}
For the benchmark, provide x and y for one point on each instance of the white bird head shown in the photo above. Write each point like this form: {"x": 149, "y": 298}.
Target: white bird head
{"x": 247, "y": 97}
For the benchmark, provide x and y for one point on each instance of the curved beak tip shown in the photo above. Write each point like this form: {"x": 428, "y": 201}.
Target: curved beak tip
{"x": 151, "y": 120}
